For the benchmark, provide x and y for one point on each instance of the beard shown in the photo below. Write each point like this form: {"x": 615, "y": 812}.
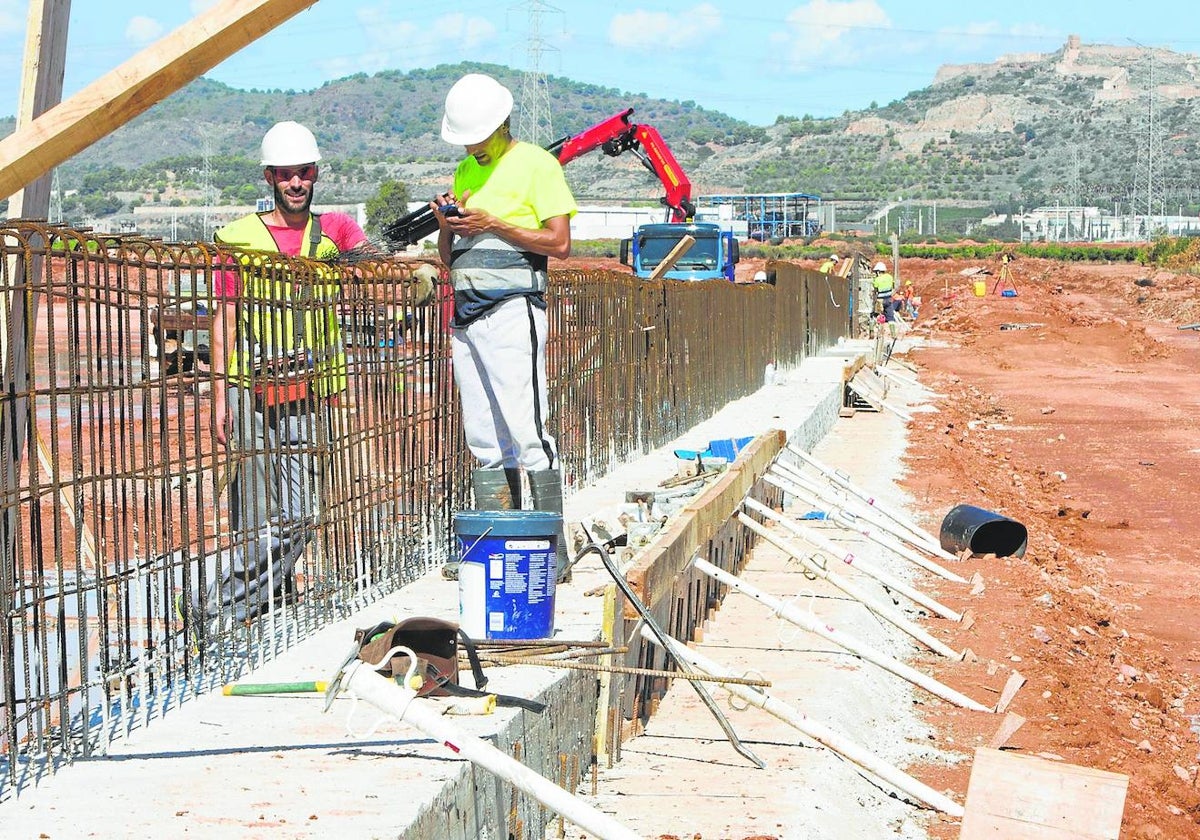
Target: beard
{"x": 291, "y": 203}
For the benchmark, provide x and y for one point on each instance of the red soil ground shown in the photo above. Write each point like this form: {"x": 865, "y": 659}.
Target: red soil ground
{"x": 1082, "y": 426}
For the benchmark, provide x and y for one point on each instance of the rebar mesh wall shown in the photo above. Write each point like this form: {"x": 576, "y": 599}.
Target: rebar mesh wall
{"x": 114, "y": 481}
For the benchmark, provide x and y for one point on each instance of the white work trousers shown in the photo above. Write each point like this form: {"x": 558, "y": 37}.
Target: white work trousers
{"x": 500, "y": 370}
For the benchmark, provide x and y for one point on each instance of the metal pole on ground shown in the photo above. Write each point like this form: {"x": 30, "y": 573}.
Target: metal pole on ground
{"x": 884, "y": 611}
{"x": 826, "y": 545}
{"x": 868, "y": 509}
{"x": 808, "y": 621}
{"x": 821, "y": 733}
{"x": 853, "y": 522}
{"x": 850, "y": 487}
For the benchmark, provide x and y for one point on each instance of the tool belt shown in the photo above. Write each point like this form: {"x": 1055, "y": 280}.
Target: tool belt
{"x": 436, "y": 644}
{"x": 282, "y": 381}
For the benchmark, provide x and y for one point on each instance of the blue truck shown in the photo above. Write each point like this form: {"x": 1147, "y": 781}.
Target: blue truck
{"x": 712, "y": 257}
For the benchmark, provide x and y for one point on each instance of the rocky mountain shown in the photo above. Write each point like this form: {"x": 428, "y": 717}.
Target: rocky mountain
{"x": 1084, "y": 124}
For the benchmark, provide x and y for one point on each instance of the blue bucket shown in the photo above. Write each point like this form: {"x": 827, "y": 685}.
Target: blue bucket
{"x": 507, "y": 571}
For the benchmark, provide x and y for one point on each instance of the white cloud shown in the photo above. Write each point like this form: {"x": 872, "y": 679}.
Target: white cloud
{"x": 142, "y": 30}
{"x": 642, "y": 30}
{"x": 395, "y": 43}
{"x": 825, "y": 33}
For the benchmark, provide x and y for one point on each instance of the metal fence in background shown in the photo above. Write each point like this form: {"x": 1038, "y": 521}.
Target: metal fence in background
{"x": 114, "y": 484}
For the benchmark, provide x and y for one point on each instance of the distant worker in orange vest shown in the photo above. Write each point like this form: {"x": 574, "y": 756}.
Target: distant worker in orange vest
{"x": 910, "y": 299}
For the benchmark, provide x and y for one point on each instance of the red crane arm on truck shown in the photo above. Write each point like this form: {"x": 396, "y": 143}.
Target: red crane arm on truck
{"x": 614, "y": 136}
{"x": 617, "y": 135}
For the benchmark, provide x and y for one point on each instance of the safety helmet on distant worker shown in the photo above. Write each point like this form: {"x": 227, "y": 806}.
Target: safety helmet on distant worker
{"x": 760, "y": 276}
{"x": 475, "y": 107}
{"x": 835, "y": 257}
{"x": 879, "y": 267}
{"x": 289, "y": 144}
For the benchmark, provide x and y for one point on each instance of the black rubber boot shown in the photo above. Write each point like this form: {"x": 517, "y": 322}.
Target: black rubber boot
{"x": 494, "y": 489}
{"x": 545, "y": 490}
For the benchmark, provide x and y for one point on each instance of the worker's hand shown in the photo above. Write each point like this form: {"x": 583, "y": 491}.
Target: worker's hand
{"x": 445, "y": 199}
{"x": 222, "y": 422}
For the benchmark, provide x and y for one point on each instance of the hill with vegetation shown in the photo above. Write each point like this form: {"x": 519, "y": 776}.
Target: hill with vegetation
{"x": 1080, "y": 125}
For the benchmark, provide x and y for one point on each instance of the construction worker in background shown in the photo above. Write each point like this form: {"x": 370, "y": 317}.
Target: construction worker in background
{"x": 830, "y": 264}
{"x": 507, "y": 212}
{"x": 909, "y": 300}
{"x": 277, "y": 338}
{"x": 885, "y": 287}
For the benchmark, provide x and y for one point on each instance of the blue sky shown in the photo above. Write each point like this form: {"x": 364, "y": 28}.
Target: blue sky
{"x": 752, "y": 61}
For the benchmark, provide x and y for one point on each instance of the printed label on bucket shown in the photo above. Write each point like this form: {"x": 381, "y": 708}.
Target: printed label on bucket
{"x": 506, "y": 587}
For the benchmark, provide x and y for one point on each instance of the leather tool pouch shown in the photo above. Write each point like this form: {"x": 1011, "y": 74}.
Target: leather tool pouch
{"x": 436, "y": 643}
{"x": 281, "y": 381}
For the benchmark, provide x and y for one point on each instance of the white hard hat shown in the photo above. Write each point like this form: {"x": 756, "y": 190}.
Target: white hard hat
{"x": 879, "y": 267}
{"x": 760, "y": 277}
{"x": 289, "y": 144}
{"x": 834, "y": 257}
{"x": 475, "y": 107}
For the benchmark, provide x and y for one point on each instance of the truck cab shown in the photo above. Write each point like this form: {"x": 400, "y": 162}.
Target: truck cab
{"x": 712, "y": 257}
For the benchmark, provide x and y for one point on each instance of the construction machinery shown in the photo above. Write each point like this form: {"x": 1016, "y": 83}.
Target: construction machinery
{"x": 715, "y": 252}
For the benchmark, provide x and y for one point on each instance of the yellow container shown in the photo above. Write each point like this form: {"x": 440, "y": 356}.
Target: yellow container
{"x": 980, "y": 288}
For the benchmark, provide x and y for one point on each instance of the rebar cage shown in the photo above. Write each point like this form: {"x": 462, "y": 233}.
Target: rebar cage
{"x": 115, "y": 484}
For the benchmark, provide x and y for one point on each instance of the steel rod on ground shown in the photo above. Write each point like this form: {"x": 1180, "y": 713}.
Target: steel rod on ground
{"x": 826, "y": 545}
{"x": 846, "y": 641}
{"x": 821, "y": 733}
{"x": 851, "y": 487}
{"x": 884, "y": 611}
{"x": 853, "y": 522}
{"x": 385, "y": 695}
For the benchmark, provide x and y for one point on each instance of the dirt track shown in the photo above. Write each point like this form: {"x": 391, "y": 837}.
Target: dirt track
{"x": 1082, "y": 426}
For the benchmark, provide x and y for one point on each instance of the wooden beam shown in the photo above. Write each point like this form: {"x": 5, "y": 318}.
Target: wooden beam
{"x": 41, "y": 90}
{"x": 150, "y": 76}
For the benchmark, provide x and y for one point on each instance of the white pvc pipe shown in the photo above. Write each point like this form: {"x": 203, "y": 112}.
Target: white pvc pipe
{"x": 391, "y": 698}
{"x": 861, "y": 508}
{"x": 884, "y": 611}
{"x": 853, "y": 522}
{"x": 851, "y": 487}
{"x": 827, "y": 545}
{"x": 819, "y": 732}
{"x": 846, "y": 641}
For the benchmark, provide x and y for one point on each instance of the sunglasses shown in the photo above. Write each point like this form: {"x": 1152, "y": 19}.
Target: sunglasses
{"x": 308, "y": 172}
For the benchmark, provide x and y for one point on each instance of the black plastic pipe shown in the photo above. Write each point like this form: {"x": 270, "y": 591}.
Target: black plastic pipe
{"x": 982, "y": 531}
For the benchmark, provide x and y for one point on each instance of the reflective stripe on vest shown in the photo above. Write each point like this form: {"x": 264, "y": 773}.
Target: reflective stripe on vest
{"x": 270, "y": 299}
{"x": 485, "y": 270}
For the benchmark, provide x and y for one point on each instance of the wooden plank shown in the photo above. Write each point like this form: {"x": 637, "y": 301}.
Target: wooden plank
{"x": 41, "y": 90}
{"x": 653, "y": 576}
{"x": 1019, "y": 797}
{"x": 150, "y": 76}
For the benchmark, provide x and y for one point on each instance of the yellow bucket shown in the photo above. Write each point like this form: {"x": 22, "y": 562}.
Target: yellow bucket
{"x": 980, "y": 288}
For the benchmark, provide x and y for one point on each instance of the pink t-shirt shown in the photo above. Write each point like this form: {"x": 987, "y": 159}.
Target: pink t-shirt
{"x": 339, "y": 227}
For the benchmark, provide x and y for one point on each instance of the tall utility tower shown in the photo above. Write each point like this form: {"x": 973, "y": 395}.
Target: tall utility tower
{"x": 534, "y": 121}
{"x": 1147, "y": 178}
